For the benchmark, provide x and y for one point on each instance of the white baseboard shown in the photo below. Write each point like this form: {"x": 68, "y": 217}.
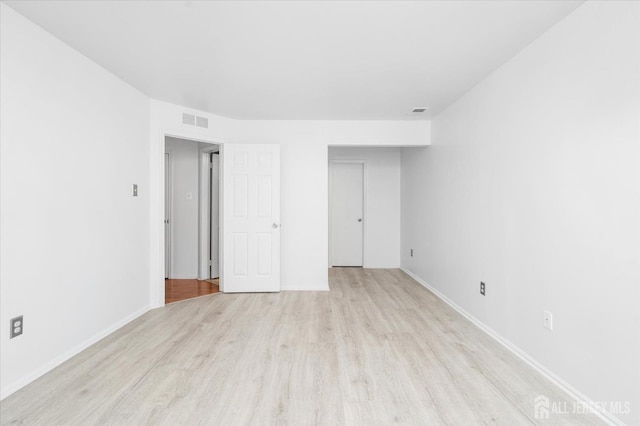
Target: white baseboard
{"x": 552, "y": 377}
{"x": 20, "y": 383}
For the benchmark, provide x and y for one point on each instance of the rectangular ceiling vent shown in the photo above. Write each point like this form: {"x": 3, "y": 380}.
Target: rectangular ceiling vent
{"x": 189, "y": 119}
{"x": 419, "y": 109}
{"x": 202, "y": 122}
{"x": 194, "y": 120}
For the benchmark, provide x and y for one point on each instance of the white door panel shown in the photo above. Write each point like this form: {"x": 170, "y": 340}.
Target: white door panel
{"x": 347, "y": 201}
{"x": 251, "y": 218}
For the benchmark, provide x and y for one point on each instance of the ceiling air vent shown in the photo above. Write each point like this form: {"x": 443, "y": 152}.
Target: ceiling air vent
{"x": 202, "y": 122}
{"x": 189, "y": 119}
{"x": 419, "y": 109}
{"x": 194, "y": 120}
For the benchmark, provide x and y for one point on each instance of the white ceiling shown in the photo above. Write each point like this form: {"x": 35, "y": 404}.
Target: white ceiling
{"x": 352, "y": 60}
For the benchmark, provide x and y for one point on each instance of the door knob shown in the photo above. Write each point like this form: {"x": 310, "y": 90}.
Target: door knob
{"x": 360, "y": 219}
{"x": 274, "y": 226}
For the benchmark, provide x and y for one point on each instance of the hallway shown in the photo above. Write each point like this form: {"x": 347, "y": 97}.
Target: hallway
{"x": 176, "y": 290}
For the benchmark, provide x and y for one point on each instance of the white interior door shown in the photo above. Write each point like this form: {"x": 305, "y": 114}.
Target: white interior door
{"x": 347, "y": 220}
{"x": 167, "y": 216}
{"x": 251, "y": 218}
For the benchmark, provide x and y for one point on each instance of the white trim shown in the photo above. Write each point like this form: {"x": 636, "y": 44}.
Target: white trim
{"x": 48, "y": 366}
{"x": 203, "y": 213}
{"x": 168, "y": 187}
{"x": 364, "y": 207}
{"x": 329, "y": 222}
{"x": 204, "y": 224}
{"x": 214, "y": 250}
{"x": 552, "y": 377}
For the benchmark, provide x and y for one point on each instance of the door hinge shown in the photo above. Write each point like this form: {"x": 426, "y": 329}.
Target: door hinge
{"x": 210, "y": 263}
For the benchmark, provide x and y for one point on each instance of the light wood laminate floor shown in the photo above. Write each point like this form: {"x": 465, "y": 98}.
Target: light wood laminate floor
{"x": 378, "y": 349}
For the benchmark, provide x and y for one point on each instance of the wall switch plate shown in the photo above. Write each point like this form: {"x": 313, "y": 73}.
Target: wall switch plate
{"x": 17, "y": 326}
{"x": 411, "y": 253}
{"x": 548, "y": 320}
{"x": 135, "y": 190}
{"x": 482, "y": 288}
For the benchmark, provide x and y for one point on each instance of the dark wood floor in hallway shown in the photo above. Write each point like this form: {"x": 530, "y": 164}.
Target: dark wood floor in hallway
{"x": 177, "y": 290}
{"x": 378, "y": 349}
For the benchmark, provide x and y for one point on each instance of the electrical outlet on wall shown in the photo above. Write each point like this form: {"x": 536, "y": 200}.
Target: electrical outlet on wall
{"x": 17, "y": 326}
{"x": 482, "y": 288}
{"x": 411, "y": 252}
{"x": 548, "y": 320}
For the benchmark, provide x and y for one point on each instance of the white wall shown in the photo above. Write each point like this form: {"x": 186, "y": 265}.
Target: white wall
{"x": 184, "y": 162}
{"x": 382, "y": 203}
{"x": 75, "y": 255}
{"x": 304, "y": 191}
{"x": 532, "y": 185}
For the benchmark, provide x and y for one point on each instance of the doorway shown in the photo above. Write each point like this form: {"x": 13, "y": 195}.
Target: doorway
{"x": 346, "y": 213}
{"x": 191, "y": 222}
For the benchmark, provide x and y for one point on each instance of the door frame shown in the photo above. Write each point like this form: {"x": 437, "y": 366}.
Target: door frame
{"x": 168, "y": 187}
{"x": 204, "y": 231}
{"x": 364, "y": 207}
{"x": 157, "y": 260}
